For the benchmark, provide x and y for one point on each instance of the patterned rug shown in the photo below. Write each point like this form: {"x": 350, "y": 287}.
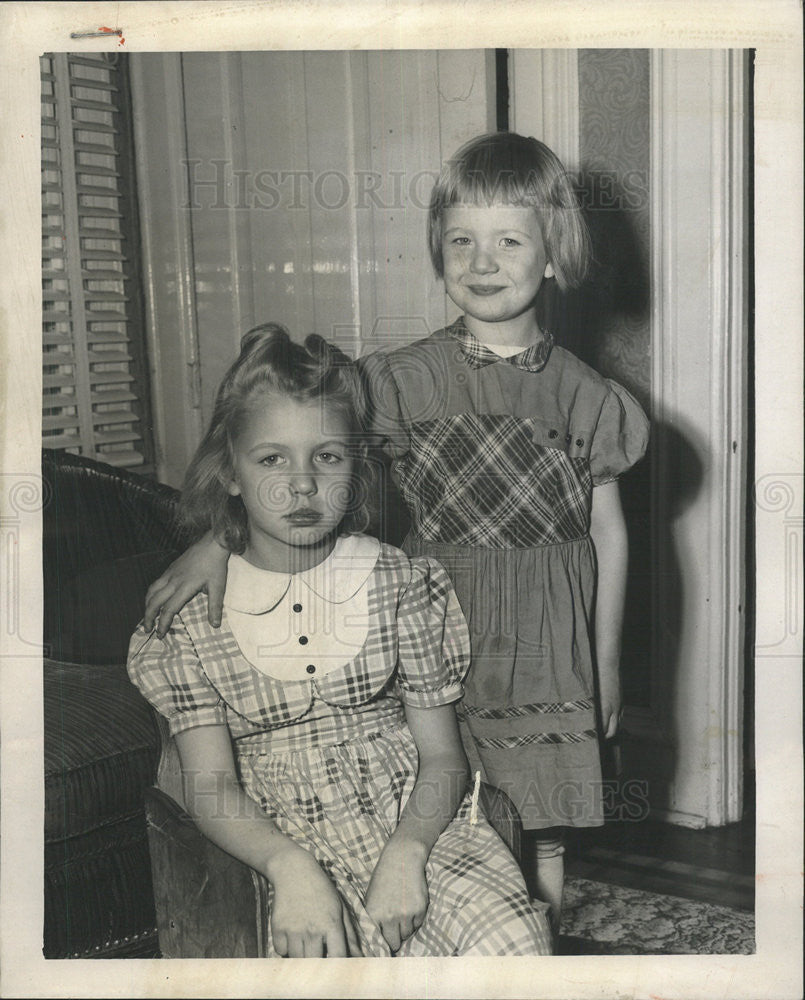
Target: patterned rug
{"x": 602, "y": 919}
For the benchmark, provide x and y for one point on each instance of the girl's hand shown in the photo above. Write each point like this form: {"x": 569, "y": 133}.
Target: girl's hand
{"x": 397, "y": 898}
{"x": 611, "y": 702}
{"x": 308, "y": 917}
{"x": 201, "y": 568}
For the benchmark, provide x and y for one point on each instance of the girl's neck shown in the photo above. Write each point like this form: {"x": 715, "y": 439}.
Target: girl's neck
{"x": 277, "y": 557}
{"x": 522, "y": 331}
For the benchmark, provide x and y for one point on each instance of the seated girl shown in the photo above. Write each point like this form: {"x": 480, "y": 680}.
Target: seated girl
{"x": 316, "y": 727}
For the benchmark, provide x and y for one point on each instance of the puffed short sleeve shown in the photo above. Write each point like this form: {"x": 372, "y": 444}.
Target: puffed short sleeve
{"x": 621, "y": 435}
{"x": 434, "y": 641}
{"x": 169, "y": 675}
{"x": 386, "y": 422}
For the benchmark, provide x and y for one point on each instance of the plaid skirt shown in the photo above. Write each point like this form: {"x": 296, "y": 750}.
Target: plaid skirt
{"x": 342, "y": 803}
{"x": 529, "y": 717}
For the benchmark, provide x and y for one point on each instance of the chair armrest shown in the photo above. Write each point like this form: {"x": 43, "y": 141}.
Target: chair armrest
{"x": 208, "y": 904}
{"x": 503, "y": 817}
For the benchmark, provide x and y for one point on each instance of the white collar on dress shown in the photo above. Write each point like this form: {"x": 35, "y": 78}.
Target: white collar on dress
{"x": 339, "y": 577}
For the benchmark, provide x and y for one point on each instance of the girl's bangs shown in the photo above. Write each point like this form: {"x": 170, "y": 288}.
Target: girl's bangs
{"x": 478, "y": 187}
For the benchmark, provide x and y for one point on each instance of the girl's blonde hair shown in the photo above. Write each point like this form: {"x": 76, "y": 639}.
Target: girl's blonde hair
{"x": 503, "y": 167}
{"x": 270, "y": 362}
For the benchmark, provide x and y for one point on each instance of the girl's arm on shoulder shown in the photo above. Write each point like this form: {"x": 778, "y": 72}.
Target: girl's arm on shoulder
{"x": 608, "y": 532}
{"x": 308, "y": 917}
{"x": 201, "y": 568}
{"x": 437, "y": 792}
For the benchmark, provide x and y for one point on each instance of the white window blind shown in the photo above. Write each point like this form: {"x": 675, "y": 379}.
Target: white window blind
{"x": 95, "y": 399}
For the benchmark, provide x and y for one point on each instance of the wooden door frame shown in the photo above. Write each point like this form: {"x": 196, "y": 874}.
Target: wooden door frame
{"x": 700, "y": 269}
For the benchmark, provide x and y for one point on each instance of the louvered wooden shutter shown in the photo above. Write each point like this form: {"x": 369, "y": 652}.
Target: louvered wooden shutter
{"x": 95, "y": 399}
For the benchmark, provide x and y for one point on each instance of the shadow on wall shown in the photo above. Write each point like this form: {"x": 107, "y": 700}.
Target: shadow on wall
{"x": 615, "y": 300}
{"x": 607, "y": 324}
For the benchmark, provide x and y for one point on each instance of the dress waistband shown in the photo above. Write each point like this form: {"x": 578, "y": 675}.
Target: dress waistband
{"x": 415, "y": 545}
{"x": 281, "y": 742}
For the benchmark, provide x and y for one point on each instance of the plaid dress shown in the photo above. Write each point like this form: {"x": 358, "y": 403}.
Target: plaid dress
{"x": 326, "y": 751}
{"x": 496, "y": 459}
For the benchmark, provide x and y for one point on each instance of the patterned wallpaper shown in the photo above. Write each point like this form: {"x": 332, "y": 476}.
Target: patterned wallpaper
{"x": 615, "y": 146}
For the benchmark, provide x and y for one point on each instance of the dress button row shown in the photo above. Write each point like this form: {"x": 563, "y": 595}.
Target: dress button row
{"x": 310, "y": 668}
{"x": 553, "y": 434}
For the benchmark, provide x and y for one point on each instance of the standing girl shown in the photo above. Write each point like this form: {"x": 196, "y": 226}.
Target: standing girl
{"x": 507, "y": 450}
{"x": 316, "y": 727}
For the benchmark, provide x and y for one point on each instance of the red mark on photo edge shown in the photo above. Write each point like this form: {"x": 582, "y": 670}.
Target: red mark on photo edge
{"x": 114, "y": 31}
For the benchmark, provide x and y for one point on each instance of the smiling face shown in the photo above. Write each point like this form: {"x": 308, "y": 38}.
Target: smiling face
{"x": 494, "y": 263}
{"x": 293, "y": 470}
